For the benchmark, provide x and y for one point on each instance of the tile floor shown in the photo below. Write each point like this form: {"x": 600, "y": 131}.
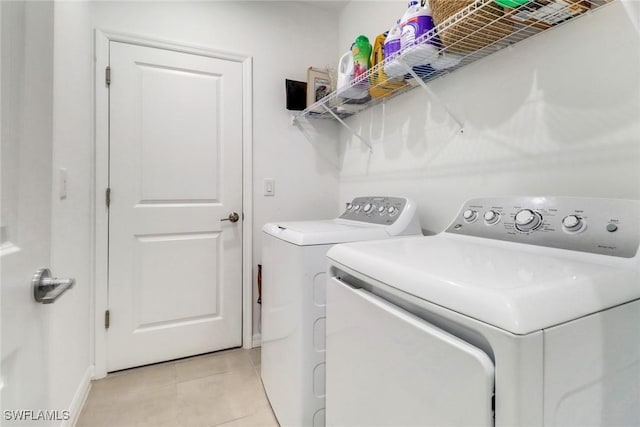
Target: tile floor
{"x": 217, "y": 389}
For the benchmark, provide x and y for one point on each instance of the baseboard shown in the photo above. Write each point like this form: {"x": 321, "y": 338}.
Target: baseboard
{"x": 79, "y": 398}
{"x": 256, "y": 341}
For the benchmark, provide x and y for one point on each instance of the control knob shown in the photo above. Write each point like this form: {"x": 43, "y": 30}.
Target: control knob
{"x": 349, "y": 206}
{"x": 470, "y": 215}
{"x": 392, "y": 210}
{"x": 367, "y": 208}
{"x": 381, "y": 210}
{"x": 572, "y": 223}
{"x": 491, "y": 217}
{"x": 528, "y": 220}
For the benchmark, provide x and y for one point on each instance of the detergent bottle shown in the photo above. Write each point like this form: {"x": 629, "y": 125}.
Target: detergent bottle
{"x": 361, "y": 51}
{"x": 392, "y": 46}
{"x": 416, "y": 22}
{"x": 345, "y": 76}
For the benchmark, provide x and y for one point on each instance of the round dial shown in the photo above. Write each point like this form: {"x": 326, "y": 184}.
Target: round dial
{"x": 356, "y": 208}
{"x": 572, "y": 223}
{"x": 392, "y": 210}
{"x": 491, "y": 217}
{"x": 381, "y": 210}
{"x": 367, "y": 208}
{"x": 528, "y": 220}
{"x": 470, "y": 215}
{"x": 349, "y": 206}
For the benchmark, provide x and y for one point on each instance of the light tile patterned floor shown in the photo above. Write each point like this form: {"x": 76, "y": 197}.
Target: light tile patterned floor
{"x": 217, "y": 389}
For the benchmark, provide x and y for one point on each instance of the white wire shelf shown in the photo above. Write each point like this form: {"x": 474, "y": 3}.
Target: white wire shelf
{"x": 474, "y": 32}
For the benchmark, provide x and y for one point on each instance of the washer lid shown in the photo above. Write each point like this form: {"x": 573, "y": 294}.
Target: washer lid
{"x": 516, "y": 287}
{"x": 325, "y": 232}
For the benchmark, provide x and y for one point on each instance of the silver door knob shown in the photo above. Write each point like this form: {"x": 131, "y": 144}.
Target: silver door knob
{"x": 47, "y": 289}
{"x": 233, "y": 217}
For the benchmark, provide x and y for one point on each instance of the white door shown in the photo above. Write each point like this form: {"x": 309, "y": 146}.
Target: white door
{"x": 25, "y": 217}
{"x": 175, "y": 276}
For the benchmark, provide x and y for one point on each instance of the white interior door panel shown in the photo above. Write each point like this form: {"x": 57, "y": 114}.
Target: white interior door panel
{"x": 175, "y": 171}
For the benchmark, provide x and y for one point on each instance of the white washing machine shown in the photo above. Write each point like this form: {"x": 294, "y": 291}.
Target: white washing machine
{"x": 293, "y": 299}
{"x": 524, "y": 312}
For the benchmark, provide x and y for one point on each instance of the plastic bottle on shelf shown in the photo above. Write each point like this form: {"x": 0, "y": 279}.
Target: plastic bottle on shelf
{"x": 392, "y": 46}
{"x": 345, "y": 76}
{"x": 416, "y": 22}
{"x": 361, "y": 51}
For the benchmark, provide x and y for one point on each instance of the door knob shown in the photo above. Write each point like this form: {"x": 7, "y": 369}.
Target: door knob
{"x": 233, "y": 217}
{"x": 47, "y": 289}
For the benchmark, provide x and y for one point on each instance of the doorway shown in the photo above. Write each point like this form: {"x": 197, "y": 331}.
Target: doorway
{"x": 174, "y": 169}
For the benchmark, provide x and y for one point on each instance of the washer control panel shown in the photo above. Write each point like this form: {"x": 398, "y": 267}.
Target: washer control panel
{"x": 375, "y": 210}
{"x": 601, "y": 226}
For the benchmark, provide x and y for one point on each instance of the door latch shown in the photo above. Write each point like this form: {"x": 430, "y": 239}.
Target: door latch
{"x": 233, "y": 217}
{"x": 46, "y": 289}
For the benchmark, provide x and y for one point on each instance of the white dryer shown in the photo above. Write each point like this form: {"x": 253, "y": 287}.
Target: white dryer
{"x": 293, "y": 299}
{"x": 524, "y": 312}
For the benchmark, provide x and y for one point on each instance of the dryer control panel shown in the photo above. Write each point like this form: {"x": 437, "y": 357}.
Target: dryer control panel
{"x": 600, "y": 226}
{"x": 375, "y": 210}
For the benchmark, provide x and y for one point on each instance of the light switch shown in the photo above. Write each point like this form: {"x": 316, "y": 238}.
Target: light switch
{"x": 269, "y": 187}
{"x": 63, "y": 183}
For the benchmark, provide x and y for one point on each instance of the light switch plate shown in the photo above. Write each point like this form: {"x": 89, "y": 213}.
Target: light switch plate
{"x": 269, "y": 187}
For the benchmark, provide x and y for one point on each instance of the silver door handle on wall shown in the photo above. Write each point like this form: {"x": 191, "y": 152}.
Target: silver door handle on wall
{"x": 47, "y": 289}
{"x": 233, "y": 217}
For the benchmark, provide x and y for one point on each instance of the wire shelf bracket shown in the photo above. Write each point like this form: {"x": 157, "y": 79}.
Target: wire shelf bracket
{"x": 431, "y": 94}
{"x": 347, "y": 127}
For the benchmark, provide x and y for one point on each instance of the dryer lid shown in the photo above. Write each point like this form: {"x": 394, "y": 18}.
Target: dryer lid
{"x": 325, "y": 232}
{"x": 516, "y": 287}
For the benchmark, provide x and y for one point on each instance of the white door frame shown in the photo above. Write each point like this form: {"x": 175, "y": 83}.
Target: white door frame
{"x": 101, "y": 177}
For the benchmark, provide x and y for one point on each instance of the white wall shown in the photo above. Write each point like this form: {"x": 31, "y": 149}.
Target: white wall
{"x": 71, "y": 244}
{"x": 284, "y": 38}
{"x": 557, "y": 114}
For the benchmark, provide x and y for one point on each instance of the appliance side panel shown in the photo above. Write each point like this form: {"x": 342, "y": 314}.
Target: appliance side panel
{"x": 313, "y": 324}
{"x": 292, "y": 352}
{"x": 282, "y": 272}
{"x": 592, "y": 370}
{"x": 519, "y": 378}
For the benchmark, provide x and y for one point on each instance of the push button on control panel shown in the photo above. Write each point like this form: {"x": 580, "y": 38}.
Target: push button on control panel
{"x": 612, "y": 227}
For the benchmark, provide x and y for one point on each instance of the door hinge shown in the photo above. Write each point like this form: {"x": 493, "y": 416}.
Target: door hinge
{"x": 107, "y": 75}
{"x": 107, "y": 197}
{"x": 107, "y": 319}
